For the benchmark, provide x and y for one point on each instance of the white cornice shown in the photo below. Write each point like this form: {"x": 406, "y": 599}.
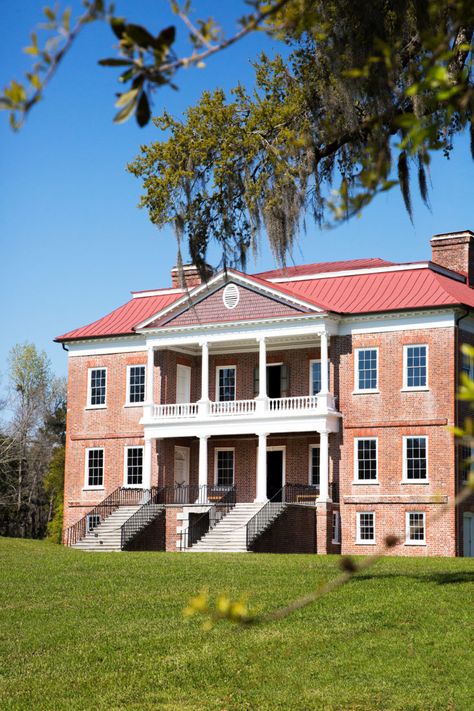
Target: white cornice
{"x": 155, "y": 292}
{"x": 371, "y": 270}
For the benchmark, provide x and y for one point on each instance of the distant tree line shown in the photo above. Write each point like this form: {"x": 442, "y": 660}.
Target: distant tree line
{"x": 32, "y": 445}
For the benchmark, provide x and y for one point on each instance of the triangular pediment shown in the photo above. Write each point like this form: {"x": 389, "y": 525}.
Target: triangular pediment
{"x": 230, "y": 298}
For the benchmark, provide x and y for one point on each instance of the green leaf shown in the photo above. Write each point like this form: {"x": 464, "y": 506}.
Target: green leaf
{"x": 125, "y": 113}
{"x": 117, "y": 25}
{"x": 143, "y": 113}
{"x": 31, "y": 50}
{"x": 140, "y": 36}
{"x": 67, "y": 19}
{"x": 126, "y": 97}
{"x": 113, "y": 62}
{"x": 50, "y": 14}
{"x": 166, "y": 37}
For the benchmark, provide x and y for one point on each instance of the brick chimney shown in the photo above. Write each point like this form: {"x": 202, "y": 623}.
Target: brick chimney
{"x": 190, "y": 276}
{"x": 455, "y": 251}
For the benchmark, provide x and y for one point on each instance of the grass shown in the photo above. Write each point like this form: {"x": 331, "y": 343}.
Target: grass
{"x": 106, "y": 631}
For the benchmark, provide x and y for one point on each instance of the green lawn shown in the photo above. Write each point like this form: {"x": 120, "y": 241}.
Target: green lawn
{"x": 106, "y": 631}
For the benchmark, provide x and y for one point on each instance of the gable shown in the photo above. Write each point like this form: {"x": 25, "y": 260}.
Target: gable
{"x": 211, "y": 309}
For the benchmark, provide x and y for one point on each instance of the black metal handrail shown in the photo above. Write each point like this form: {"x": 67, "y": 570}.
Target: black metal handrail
{"x": 208, "y": 520}
{"x": 140, "y": 518}
{"x": 120, "y": 497}
{"x": 263, "y": 517}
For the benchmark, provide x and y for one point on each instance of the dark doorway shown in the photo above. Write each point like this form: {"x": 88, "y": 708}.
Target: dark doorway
{"x": 274, "y": 380}
{"x": 274, "y": 474}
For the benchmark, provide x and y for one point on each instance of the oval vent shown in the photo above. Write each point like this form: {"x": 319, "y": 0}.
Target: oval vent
{"x": 231, "y": 296}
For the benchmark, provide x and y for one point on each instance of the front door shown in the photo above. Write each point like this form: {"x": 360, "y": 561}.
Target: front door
{"x": 274, "y": 474}
{"x": 183, "y": 383}
{"x": 181, "y": 466}
{"x": 274, "y": 381}
{"x": 468, "y": 537}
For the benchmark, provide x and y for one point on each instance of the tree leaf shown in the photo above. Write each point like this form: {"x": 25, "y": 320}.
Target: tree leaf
{"x": 113, "y": 62}
{"x": 166, "y": 37}
{"x": 126, "y": 97}
{"x": 125, "y": 113}
{"x": 143, "y": 112}
{"x": 50, "y": 14}
{"x": 117, "y": 25}
{"x": 140, "y": 36}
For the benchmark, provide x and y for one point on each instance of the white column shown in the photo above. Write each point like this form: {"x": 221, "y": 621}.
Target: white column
{"x": 204, "y": 401}
{"x": 150, "y": 383}
{"x": 323, "y": 467}
{"x": 325, "y": 399}
{"x": 203, "y": 468}
{"x": 261, "y": 493}
{"x": 147, "y": 463}
{"x": 262, "y": 399}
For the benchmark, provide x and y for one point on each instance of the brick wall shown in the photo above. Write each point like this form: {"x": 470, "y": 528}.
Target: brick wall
{"x": 294, "y": 531}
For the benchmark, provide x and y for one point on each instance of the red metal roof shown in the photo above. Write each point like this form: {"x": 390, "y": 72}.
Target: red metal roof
{"x": 322, "y": 267}
{"x": 121, "y": 321}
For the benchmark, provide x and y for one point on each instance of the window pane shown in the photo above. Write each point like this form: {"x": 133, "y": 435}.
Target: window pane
{"x": 367, "y": 459}
{"x": 97, "y": 394}
{"x": 95, "y": 467}
{"x": 416, "y": 457}
{"x": 136, "y": 391}
{"x": 416, "y": 526}
{"x": 366, "y": 527}
{"x": 226, "y": 384}
{"x": 416, "y": 366}
{"x": 134, "y": 466}
{"x": 367, "y": 369}
{"x": 315, "y": 377}
{"x": 315, "y": 466}
{"x": 225, "y": 468}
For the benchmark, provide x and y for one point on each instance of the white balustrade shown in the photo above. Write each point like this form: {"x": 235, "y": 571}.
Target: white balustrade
{"x": 178, "y": 410}
{"x": 233, "y": 407}
{"x": 293, "y": 404}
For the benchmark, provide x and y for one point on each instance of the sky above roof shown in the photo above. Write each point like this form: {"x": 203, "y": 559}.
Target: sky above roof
{"x": 74, "y": 243}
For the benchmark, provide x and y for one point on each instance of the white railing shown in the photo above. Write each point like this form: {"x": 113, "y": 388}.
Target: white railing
{"x": 232, "y": 407}
{"x": 178, "y": 410}
{"x": 293, "y": 404}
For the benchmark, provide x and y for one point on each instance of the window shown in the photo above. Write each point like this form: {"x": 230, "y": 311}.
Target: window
{"x": 365, "y": 456}
{"x": 416, "y": 367}
{"x": 314, "y": 465}
{"x": 133, "y": 466}
{"x": 97, "y": 387}
{"x": 136, "y": 384}
{"x": 225, "y": 383}
{"x": 93, "y": 520}
{"x": 366, "y": 527}
{"x": 467, "y": 365}
{"x": 366, "y": 369}
{"x": 415, "y": 459}
{"x": 224, "y": 467}
{"x": 336, "y": 527}
{"x": 95, "y": 468}
{"x": 415, "y": 527}
{"x": 315, "y": 376}
{"x": 466, "y": 462}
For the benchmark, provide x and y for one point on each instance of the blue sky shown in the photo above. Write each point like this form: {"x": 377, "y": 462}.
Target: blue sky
{"x": 74, "y": 243}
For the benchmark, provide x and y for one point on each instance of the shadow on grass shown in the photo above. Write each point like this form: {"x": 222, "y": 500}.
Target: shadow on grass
{"x": 438, "y": 578}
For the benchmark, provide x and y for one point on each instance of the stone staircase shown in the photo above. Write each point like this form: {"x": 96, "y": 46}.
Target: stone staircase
{"x": 230, "y": 534}
{"x": 106, "y": 537}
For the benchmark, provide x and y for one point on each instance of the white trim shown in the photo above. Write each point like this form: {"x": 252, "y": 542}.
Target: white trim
{"x": 370, "y": 270}
{"x": 397, "y": 321}
{"x": 89, "y": 405}
{"x": 279, "y": 448}
{"x": 452, "y": 235}
{"x": 231, "y": 296}
{"x": 336, "y": 528}
{"x": 155, "y": 292}
{"x": 310, "y": 464}
{"x": 106, "y": 346}
{"x": 87, "y": 486}
{"x": 405, "y": 387}
{"x": 126, "y": 485}
{"x": 127, "y": 386}
{"x": 365, "y": 391}
{"x": 368, "y": 482}
{"x": 405, "y": 480}
{"x": 224, "y": 449}
{"x": 217, "y": 393}
{"x": 409, "y": 542}
{"x": 359, "y": 541}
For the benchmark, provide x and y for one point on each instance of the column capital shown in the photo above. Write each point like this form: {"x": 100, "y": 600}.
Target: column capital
{"x": 204, "y": 436}
{"x": 261, "y": 339}
{"x": 262, "y": 434}
{"x": 203, "y": 342}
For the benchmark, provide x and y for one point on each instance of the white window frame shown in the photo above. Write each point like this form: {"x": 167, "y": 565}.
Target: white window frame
{"x": 364, "y": 542}
{"x": 317, "y": 360}
{"x": 89, "y": 406}
{"x": 405, "y": 462}
{"x": 218, "y": 393}
{"x": 127, "y": 393}
{"x": 360, "y": 541}
{"x": 414, "y": 388}
{"x": 93, "y": 487}
{"x": 310, "y": 464}
{"x": 365, "y": 391}
{"x": 125, "y": 466}
{"x": 277, "y": 448}
{"x": 368, "y": 482}
{"x": 336, "y": 527}
{"x": 216, "y": 457}
{"x": 409, "y": 542}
